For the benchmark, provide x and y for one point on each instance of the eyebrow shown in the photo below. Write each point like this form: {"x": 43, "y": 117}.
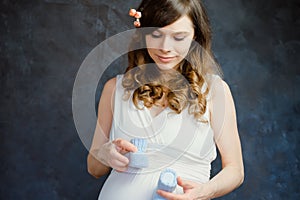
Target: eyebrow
{"x": 173, "y": 32}
{"x": 181, "y": 32}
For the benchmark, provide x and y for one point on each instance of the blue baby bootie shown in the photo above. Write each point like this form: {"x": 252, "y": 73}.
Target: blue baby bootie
{"x": 167, "y": 182}
{"x": 139, "y": 159}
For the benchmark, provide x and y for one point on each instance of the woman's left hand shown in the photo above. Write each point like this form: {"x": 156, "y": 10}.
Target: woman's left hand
{"x": 192, "y": 191}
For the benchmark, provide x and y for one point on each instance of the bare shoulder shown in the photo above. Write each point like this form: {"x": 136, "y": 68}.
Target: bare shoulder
{"x": 107, "y": 94}
{"x": 219, "y": 87}
{"x": 220, "y": 97}
{"x": 109, "y": 88}
{"x": 110, "y": 84}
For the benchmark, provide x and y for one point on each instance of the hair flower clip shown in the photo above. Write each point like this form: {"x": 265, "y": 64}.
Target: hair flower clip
{"x": 137, "y": 15}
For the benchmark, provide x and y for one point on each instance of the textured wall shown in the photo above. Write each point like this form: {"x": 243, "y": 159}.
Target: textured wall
{"x": 44, "y": 42}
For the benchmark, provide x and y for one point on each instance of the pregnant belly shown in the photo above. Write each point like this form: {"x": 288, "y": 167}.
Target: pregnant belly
{"x": 119, "y": 186}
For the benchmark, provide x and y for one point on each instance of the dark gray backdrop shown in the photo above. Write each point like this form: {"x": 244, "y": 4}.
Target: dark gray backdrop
{"x": 44, "y": 42}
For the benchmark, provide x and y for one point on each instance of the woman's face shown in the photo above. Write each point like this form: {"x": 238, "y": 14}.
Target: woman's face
{"x": 169, "y": 45}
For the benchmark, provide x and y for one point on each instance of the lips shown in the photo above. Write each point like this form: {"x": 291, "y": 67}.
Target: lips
{"x": 166, "y": 59}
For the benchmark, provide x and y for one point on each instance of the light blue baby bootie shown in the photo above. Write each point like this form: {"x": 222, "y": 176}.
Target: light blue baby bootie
{"x": 167, "y": 182}
{"x": 139, "y": 159}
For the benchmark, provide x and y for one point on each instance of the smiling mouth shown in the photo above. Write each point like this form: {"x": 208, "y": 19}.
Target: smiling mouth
{"x": 166, "y": 59}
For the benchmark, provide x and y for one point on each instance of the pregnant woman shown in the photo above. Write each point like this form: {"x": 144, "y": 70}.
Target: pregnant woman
{"x": 173, "y": 97}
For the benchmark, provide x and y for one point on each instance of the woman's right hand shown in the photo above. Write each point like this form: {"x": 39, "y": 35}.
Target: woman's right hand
{"x": 112, "y": 153}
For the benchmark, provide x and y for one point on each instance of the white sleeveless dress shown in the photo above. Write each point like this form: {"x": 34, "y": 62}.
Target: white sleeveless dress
{"x": 175, "y": 141}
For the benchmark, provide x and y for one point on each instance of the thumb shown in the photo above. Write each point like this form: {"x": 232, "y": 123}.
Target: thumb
{"x": 123, "y": 146}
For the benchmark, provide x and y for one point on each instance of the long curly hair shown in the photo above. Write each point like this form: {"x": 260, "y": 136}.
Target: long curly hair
{"x": 189, "y": 85}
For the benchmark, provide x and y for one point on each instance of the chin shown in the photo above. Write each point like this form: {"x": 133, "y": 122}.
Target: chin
{"x": 168, "y": 66}
{"x": 164, "y": 68}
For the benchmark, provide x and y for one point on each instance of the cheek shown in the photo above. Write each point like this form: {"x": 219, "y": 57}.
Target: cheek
{"x": 150, "y": 52}
{"x": 150, "y": 46}
{"x": 152, "y": 43}
{"x": 183, "y": 48}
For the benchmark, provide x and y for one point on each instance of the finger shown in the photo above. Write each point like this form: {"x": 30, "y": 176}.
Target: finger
{"x": 171, "y": 196}
{"x": 116, "y": 156}
{"x": 122, "y": 151}
{"x": 124, "y": 145}
{"x": 117, "y": 164}
{"x": 184, "y": 183}
{"x": 121, "y": 169}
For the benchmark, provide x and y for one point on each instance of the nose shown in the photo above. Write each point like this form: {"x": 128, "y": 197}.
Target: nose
{"x": 166, "y": 45}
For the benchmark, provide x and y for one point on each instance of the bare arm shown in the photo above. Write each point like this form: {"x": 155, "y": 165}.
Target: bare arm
{"x": 223, "y": 118}
{"x": 105, "y": 154}
{"x": 103, "y": 126}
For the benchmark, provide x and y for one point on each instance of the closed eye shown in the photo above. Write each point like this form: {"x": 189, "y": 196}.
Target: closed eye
{"x": 156, "y": 34}
{"x": 179, "y": 38}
